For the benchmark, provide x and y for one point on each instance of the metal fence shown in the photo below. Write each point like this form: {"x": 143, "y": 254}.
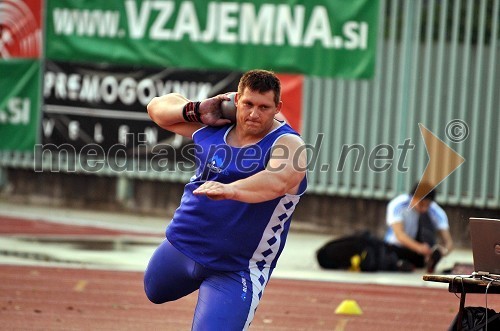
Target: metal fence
{"x": 437, "y": 62}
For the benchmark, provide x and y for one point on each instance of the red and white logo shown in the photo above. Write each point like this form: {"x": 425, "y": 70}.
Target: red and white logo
{"x": 20, "y": 29}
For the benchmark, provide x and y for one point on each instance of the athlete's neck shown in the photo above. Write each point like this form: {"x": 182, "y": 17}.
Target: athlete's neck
{"x": 240, "y": 137}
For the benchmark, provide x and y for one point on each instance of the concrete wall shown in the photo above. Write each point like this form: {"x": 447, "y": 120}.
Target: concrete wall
{"x": 326, "y": 214}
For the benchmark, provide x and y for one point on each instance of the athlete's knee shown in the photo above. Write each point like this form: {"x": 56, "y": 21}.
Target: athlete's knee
{"x": 154, "y": 298}
{"x": 152, "y": 292}
{"x": 159, "y": 293}
{"x": 151, "y": 295}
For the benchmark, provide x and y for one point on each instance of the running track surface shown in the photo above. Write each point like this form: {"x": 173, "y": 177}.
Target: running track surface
{"x": 56, "y": 298}
{"x": 46, "y": 298}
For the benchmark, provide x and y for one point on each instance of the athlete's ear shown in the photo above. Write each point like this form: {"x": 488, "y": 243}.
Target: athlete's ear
{"x": 278, "y": 108}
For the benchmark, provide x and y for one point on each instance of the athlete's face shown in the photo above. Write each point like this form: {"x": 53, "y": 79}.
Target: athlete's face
{"x": 256, "y": 111}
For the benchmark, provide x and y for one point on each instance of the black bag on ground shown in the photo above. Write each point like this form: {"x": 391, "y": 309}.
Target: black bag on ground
{"x": 474, "y": 318}
{"x": 371, "y": 252}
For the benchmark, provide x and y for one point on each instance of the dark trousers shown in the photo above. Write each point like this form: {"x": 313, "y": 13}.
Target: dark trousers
{"x": 404, "y": 253}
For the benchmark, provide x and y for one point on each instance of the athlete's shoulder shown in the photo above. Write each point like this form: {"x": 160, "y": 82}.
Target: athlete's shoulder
{"x": 285, "y": 127}
{"x": 282, "y": 131}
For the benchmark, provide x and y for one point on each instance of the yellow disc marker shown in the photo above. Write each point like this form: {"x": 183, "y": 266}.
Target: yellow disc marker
{"x": 349, "y": 307}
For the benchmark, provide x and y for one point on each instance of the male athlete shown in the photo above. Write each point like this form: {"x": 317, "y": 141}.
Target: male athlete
{"x": 230, "y": 228}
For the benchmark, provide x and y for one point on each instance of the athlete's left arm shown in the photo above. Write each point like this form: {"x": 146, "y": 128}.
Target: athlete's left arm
{"x": 283, "y": 174}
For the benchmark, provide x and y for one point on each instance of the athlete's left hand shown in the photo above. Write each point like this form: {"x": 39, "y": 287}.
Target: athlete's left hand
{"x": 215, "y": 190}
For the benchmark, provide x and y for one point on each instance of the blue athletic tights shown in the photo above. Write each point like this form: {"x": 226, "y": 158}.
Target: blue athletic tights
{"x": 226, "y": 300}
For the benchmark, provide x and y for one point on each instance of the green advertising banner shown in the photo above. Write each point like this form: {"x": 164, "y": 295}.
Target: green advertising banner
{"x": 19, "y": 104}
{"x": 329, "y": 38}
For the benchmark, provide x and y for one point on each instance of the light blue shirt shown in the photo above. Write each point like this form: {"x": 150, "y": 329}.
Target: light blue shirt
{"x": 398, "y": 210}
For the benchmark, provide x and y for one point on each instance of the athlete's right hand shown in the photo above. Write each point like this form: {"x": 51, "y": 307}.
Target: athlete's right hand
{"x": 211, "y": 112}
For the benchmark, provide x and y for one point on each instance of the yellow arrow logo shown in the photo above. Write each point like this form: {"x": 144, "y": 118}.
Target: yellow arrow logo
{"x": 443, "y": 161}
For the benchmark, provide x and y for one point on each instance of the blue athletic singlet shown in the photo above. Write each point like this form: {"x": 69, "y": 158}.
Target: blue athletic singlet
{"x": 229, "y": 235}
